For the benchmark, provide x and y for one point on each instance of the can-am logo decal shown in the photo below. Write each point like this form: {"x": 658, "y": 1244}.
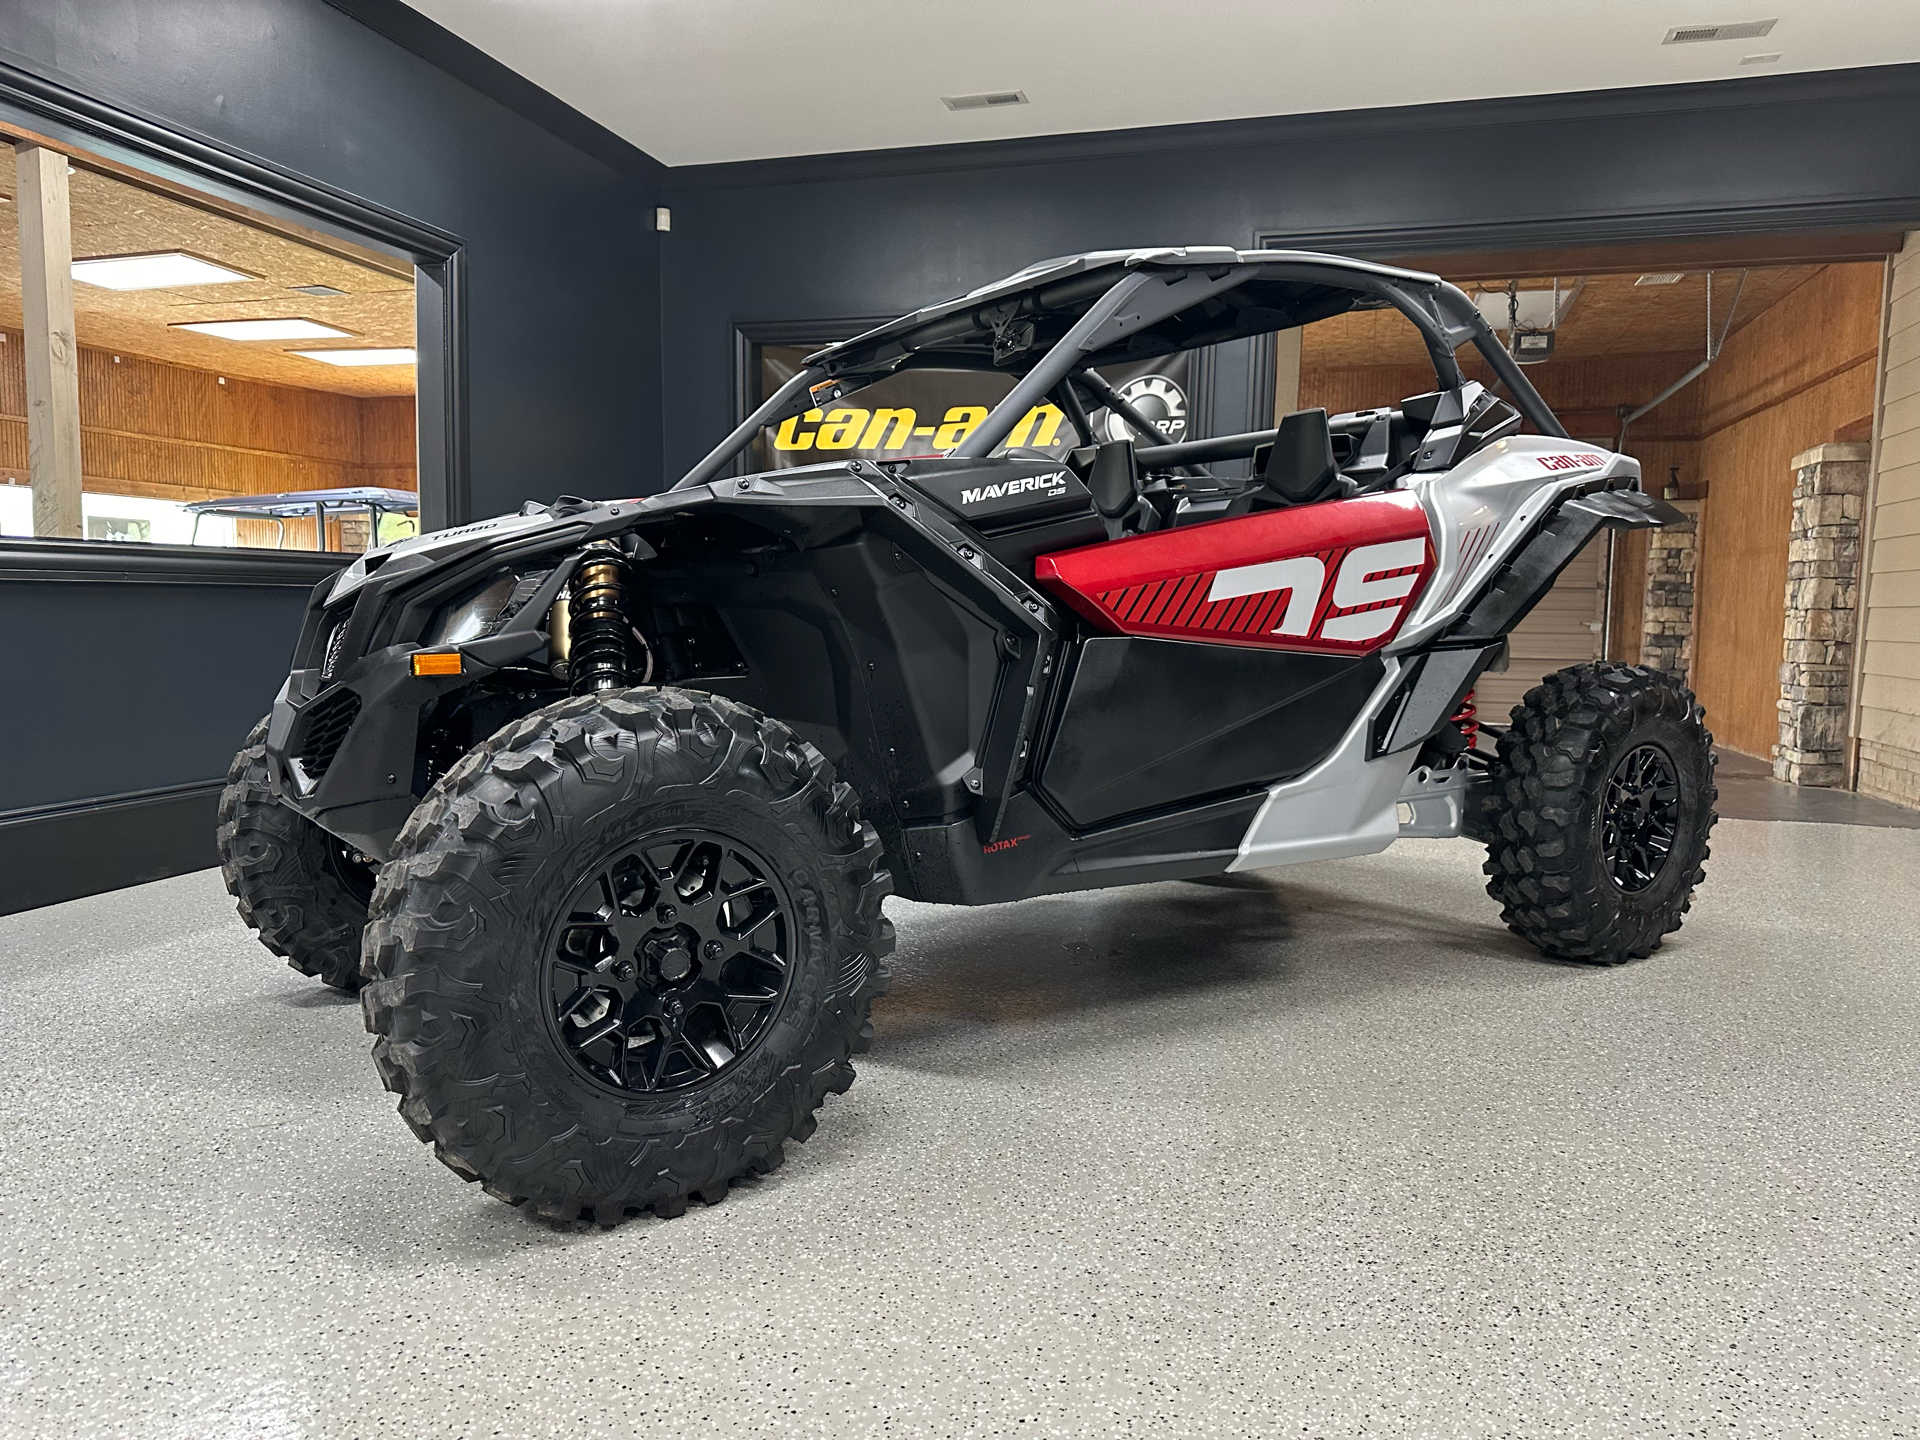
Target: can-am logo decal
{"x": 1159, "y": 400}
{"x": 1337, "y": 578}
{"x": 1569, "y": 462}
{"x": 890, "y": 430}
{"x": 1051, "y": 485}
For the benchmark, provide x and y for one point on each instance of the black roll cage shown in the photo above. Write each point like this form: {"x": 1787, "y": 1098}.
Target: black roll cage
{"x": 1053, "y": 323}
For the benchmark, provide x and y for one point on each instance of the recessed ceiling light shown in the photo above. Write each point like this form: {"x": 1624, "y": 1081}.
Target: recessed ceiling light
{"x": 261, "y": 329}
{"x": 990, "y": 100}
{"x": 321, "y": 292}
{"x": 1760, "y": 59}
{"x": 359, "y": 357}
{"x": 1662, "y": 277}
{"x": 152, "y": 272}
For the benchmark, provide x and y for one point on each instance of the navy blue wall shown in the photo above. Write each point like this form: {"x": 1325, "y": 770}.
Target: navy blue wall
{"x": 125, "y": 696}
{"x": 573, "y": 300}
{"x": 561, "y": 267}
{"x": 886, "y": 231}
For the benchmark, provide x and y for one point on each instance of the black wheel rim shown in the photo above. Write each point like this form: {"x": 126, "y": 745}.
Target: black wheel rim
{"x": 1640, "y": 817}
{"x": 353, "y": 873}
{"x": 669, "y": 962}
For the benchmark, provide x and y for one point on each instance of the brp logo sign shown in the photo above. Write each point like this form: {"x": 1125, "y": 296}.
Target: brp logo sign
{"x": 1157, "y": 398}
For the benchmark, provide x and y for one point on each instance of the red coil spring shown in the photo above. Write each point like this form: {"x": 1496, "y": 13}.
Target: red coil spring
{"x": 1465, "y": 718}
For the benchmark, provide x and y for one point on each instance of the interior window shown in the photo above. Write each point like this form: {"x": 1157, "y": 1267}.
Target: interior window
{"x": 239, "y": 383}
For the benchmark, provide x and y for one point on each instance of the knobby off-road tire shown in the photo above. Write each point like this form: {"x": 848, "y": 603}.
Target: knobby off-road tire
{"x": 298, "y": 887}
{"x": 514, "y": 845}
{"x": 1599, "y": 812}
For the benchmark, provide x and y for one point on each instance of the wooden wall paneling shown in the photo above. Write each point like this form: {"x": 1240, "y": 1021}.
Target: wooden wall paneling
{"x": 387, "y": 442}
{"x": 1627, "y": 596}
{"x": 1361, "y": 387}
{"x": 170, "y": 432}
{"x": 1792, "y": 379}
{"x": 1827, "y": 326}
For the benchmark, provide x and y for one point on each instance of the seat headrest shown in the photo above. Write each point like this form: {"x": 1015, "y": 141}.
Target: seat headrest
{"x": 1114, "y": 479}
{"x": 1300, "y": 467}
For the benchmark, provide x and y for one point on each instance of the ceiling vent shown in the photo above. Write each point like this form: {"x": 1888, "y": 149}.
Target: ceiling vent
{"x": 1661, "y": 277}
{"x": 992, "y": 100}
{"x": 1744, "y": 30}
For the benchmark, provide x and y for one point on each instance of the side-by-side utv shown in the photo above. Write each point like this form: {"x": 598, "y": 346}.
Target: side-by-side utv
{"x": 600, "y": 801}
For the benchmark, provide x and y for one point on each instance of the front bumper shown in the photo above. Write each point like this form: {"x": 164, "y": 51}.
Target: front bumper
{"x": 345, "y": 752}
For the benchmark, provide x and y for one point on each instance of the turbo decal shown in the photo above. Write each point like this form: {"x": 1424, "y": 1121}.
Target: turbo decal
{"x": 1337, "y": 577}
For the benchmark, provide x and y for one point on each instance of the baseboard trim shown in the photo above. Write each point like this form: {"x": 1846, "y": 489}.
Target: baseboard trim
{"x": 62, "y": 852}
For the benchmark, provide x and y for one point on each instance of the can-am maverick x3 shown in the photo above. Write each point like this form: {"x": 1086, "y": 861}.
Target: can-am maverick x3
{"x": 615, "y": 789}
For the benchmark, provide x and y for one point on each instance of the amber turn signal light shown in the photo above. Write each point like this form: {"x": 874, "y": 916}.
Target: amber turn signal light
{"x": 437, "y": 662}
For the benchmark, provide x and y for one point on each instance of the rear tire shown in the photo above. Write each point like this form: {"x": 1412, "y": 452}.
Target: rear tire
{"x": 298, "y": 887}
{"x": 623, "y": 951}
{"x": 1599, "y": 812}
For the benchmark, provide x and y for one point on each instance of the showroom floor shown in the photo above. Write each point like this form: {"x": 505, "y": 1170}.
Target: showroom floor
{"x": 1322, "y": 1153}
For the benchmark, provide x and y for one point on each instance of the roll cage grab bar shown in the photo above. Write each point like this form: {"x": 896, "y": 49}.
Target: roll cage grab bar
{"x": 1132, "y": 306}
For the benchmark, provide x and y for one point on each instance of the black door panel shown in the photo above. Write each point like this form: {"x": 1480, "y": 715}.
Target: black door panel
{"x": 1150, "y": 723}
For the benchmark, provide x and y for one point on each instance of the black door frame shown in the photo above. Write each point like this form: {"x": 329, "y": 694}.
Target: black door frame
{"x": 170, "y": 153}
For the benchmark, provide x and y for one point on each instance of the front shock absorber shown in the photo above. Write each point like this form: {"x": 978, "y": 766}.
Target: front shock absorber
{"x": 600, "y": 635}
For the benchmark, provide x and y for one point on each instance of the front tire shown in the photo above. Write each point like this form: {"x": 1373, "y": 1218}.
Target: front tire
{"x": 1599, "y": 812}
{"x": 623, "y": 951}
{"x": 303, "y": 891}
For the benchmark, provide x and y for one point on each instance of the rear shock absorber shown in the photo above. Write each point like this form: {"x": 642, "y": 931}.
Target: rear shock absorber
{"x": 1467, "y": 718}
{"x": 600, "y": 649}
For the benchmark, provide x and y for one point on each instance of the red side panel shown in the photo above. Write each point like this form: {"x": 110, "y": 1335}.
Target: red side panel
{"x": 1337, "y": 578}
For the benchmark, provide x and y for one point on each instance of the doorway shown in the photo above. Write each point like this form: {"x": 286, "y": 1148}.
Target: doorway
{"x": 1792, "y": 326}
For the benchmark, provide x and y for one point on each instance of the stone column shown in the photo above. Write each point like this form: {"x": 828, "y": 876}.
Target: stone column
{"x": 1823, "y": 596}
{"x": 1666, "y": 631}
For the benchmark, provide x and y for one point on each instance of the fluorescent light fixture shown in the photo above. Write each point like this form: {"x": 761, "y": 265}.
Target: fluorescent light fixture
{"x": 398, "y": 356}
{"x": 1760, "y": 59}
{"x": 261, "y": 329}
{"x": 1662, "y": 277}
{"x": 163, "y": 271}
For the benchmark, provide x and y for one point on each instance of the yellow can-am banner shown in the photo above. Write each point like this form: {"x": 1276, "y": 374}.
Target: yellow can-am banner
{"x": 929, "y": 412}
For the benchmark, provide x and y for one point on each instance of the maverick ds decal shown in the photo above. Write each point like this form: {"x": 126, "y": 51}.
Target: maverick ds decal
{"x": 1051, "y": 485}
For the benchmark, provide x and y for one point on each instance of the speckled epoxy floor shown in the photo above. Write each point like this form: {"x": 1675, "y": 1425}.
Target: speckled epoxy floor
{"x": 1322, "y": 1153}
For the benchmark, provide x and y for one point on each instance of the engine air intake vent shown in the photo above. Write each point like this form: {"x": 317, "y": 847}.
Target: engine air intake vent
{"x": 1743, "y": 30}
{"x": 323, "y": 727}
{"x": 336, "y": 641}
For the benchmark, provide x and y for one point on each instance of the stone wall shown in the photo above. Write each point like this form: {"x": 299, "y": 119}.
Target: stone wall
{"x": 1666, "y": 632}
{"x": 1823, "y": 597}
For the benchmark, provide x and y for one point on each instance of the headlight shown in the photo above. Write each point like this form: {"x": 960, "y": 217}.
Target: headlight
{"x": 474, "y": 614}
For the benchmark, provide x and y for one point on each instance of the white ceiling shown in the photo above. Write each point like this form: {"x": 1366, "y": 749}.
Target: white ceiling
{"x": 692, "y": 81}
